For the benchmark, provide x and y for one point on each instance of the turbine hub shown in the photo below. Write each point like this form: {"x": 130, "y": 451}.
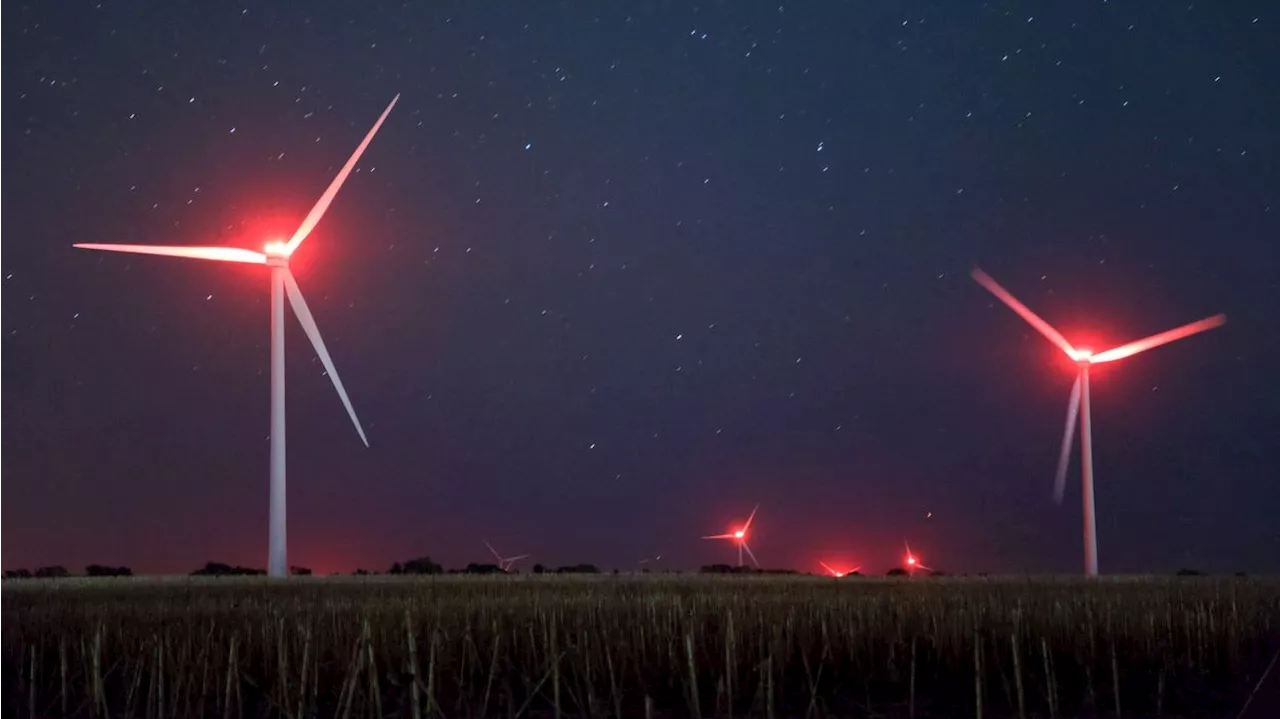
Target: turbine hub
{"x": 278, "y": 251}
{"x": 1082, "y": 356}
{"x": 277, "y": 254}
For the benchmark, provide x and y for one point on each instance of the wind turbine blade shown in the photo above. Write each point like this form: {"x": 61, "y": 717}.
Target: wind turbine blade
{"x": 493, "y": 551}
{"x": 218, "y": 254}
{"x": 730, "y": 535}
{"x": 1032, "y": 318}
{"x": 751, "y": 554}
{"x": 517, "y": 558}
{"x": 828, "y": 568}
{"x": 750, "y": 519}
{"x": 1156, "y": 340}
{"x": 1068, "y": 437}
{"x": 313, "y": 333}
{"x": 851, "y": 571}
{"x": 313, "y": 217}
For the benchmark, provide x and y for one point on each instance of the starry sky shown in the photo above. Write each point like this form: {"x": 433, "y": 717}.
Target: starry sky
{"x": 613, "y": 273}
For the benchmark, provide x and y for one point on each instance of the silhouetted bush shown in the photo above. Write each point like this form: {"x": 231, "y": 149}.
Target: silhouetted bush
{"x": 300, "y": 571}
{"x": 421, "y": 565}
{"x": 17, "y": 574}
{"x": 1184, "y": 572}
{"x": 218, "y": 569}
{"x": 578, "y": 569}
{"x": 53, "y": 572}
{"x": 896, "y": 572}
{"x": 476, "y": 568}
{"x": 539, "y": 569}
{"x": 102, "y": 570}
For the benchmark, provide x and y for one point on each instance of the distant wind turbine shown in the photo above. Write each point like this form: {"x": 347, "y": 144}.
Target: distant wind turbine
{"x": 275, "y": 255}
{"x": 1078, "y": 404}
{"x": 836, "y": 573}
{"x": 504, "y": 563}
{"x": 912, "y": 561}
{"x": 739, "y": 536}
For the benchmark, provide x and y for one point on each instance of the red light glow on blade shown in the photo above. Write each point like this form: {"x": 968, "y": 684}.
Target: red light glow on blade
{"x": 1032, "y": 318}
{"x": 1163, "y": 338}
{"x": 837, "y": 573}
{"x": 313, "y": 217}
{"x": 218, "y": 254}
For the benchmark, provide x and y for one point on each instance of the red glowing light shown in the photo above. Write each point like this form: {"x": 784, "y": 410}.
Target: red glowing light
{"x": 740, "y": 534}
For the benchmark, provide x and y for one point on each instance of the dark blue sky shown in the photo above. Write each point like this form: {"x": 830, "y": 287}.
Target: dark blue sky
{"x": 611, "y": 274}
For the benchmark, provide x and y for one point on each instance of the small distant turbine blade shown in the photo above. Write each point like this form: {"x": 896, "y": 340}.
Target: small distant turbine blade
{"x": 751, "y": 554}
{"x": 313, "y": 333}
{"x": 827, "y": 567}
{"x": 1163, "y": 338}
{"x": 730, "y": 535}
{"x": 218, "y": 254}
{"x": 518, "y": 557}
{"x": 750, "y": 519}
{"x": 313, "y": 217}
{"x": 493, "y": 551}
{"x": 1032, "y": 318}
{"x": 1068, "y": 438}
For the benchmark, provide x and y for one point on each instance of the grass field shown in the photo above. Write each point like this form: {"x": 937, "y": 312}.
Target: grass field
{"x": 636, "y": 646}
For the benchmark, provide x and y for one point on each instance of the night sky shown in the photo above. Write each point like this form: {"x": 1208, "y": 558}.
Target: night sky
{"x": 610, "y": 274}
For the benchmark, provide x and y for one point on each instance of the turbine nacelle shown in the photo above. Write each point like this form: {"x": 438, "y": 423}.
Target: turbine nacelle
{"x": 277, "y": 250}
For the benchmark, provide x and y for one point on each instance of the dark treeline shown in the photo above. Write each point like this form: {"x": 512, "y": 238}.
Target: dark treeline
{"x": 426, "y": 566}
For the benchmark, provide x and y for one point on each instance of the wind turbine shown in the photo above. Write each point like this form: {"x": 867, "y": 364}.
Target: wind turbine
{"x": 740, "y": 537}
{"x": 837, "y": 574}
{"x": 504, "y": 563}
{"x": 275, "y": 255}
{"x": 912, "y": 561}
{"x": 1078, "y": 404}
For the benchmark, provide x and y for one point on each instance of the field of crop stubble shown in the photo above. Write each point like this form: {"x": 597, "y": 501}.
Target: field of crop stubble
{"x": 636, "y": 646}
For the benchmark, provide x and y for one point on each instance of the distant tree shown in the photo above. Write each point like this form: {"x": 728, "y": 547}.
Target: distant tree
{"x": 578, "y": 569}
{"x": 539, "y": 569}
{"x": 17, "y": 574}
{"x": 896, "y": 572}
{"x": 1242, "y": 575}
{"x": 476, "y": 568}
{"x": 101, "y": 570}
{"x": 300, "y": 571}
{"x": 52, "y": 572}
{"x": 360, "y": 573}
{"x": 1184, "y": 572}
{"x": 716, "y": 569}
{"x": 422, "y": 565}
{"x": 219, "y": 569}
{"x": 396, "y": 568}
